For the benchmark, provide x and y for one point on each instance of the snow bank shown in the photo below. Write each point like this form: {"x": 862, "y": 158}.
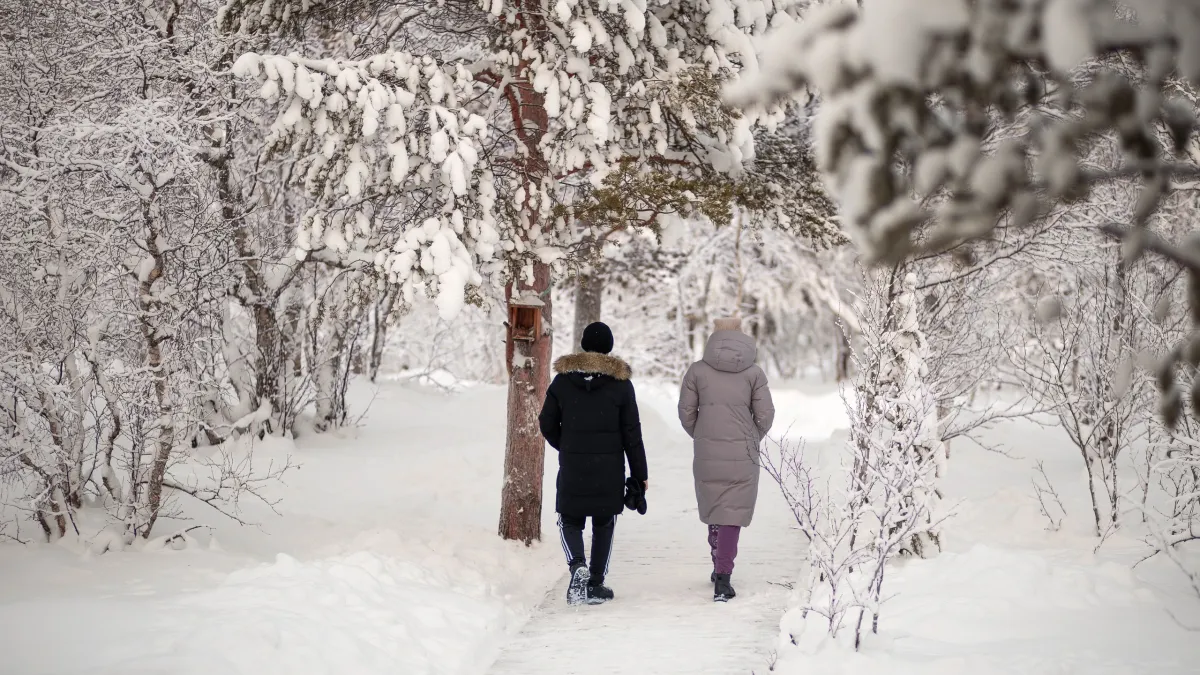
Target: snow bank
{"x": 1008, "y": 595}
{"x": 383, "y": 559}
{"x": 391, "y": 607}
{"x": 386, "y": 605}
{"x": 992, "y": 610}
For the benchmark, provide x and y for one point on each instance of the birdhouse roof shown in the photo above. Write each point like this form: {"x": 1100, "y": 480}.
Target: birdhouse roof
{"x": 527, "y": 300}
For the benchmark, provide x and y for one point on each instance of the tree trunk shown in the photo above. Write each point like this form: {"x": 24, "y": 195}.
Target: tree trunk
{"x": 268, "y": 361}
{"x": 844, "y": 352}
{"x": 1093, "y": 491}
{"x": 528, "y": 362}
{"x": 291, "y": 343}
{"x": 255, "y": 293}
{"x": 525, "y": 449}
{"x": 382, "y": 312}
{"x": 156, "y": 364}
{"x": 589, "y": 294}
{"x": 341, "y": 322}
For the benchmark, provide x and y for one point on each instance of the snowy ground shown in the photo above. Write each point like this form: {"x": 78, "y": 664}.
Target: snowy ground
{"x": 384, "y": 560}
{"x": 1010, "y": 596}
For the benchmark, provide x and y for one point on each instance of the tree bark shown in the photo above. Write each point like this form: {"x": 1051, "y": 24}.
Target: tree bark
{"x": 525, "y": 449}
{"x": 156, "y": 364}
{"x": 254, "y": 293}
{"x": 589, "y": 293}
{"x": 268, "y": 361}
{"x": 382, "y": 315}
{"x": 844, "y": 353}
{"x": 528, "y": 362}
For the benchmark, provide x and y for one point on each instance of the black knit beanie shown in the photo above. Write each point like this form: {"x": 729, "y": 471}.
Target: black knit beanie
{"x": 597, "y": 337}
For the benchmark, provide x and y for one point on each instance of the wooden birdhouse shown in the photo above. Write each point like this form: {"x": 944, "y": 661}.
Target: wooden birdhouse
{"x": 525, "y": 318}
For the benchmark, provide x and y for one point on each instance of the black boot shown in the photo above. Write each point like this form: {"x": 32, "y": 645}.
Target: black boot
{"x": 597, "y": 592}
{"x": 722, "y": 590}
{"x": 577, "y": 589}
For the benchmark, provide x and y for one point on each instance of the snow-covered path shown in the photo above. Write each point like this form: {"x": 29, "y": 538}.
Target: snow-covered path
{"x": 383, "y": 559}
{"x": 664, "y": 620}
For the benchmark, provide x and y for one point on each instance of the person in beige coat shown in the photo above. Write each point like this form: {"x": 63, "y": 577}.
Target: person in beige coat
{"x": 725, "y": 406}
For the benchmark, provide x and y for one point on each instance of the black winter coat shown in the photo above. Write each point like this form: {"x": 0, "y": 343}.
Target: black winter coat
{"x": 591, "y": 417}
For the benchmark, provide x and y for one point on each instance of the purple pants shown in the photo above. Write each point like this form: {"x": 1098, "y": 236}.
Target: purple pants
{"x": 723, "y": 541}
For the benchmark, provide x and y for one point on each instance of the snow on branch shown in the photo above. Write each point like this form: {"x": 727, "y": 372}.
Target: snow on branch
{"x": 912, "y": 90}
{"x": 389, "y": 123}
{"x": 501, "y": 132}
{"x": 940, "y": 119}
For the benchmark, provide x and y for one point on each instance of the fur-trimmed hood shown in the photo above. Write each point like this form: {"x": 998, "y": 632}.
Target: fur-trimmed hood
{"x": 593, "y": 362}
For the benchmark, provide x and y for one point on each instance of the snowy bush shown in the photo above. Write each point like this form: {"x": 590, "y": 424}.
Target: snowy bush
{"x": 146, "y": 286}
{"x": 888, "y": 502}
{"x": 1080, "y": 368}
{"x": 836, "y": 560}
{"x": 878, "y": 502}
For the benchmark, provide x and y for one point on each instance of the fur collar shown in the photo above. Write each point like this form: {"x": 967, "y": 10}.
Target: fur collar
{"x": 593, "y": 362}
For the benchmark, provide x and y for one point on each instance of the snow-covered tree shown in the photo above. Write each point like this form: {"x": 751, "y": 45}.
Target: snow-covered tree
{"x": 1073, "y": 367}
{"x": 119, "y": 258}
{"x": 941, "y": 119}
{"x": 497, "y": 120}
{"x": 897, "y": 409}
{"x": 861, "y": 509}
{"x": 782, "y": 174}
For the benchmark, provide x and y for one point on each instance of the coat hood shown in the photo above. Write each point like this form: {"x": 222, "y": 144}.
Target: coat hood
{"x": 593, "y": 363}
{"x": 730, "y": 351}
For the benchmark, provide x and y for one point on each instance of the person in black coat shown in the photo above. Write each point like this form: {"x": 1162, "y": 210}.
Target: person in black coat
{"x": 591, "y": 417}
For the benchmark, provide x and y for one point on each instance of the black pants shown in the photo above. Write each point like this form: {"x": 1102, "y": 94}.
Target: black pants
{"x": 570, "y": 529}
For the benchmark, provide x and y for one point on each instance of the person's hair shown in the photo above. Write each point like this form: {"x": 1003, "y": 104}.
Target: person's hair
{"x": 728, "y": 323}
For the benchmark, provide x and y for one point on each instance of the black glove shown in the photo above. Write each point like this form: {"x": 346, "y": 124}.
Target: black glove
{"x": 635, "y": 496}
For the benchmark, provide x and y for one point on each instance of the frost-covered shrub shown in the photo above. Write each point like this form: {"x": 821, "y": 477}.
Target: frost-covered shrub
{"x": 122, "y": 252}
{"x": 876, "y": 501}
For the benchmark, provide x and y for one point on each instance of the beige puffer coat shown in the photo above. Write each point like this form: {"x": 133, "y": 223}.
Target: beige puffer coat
{"x": 725, "y": 406}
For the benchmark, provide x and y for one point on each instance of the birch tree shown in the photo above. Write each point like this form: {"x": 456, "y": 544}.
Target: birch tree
{"x": 118, "y": 257}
